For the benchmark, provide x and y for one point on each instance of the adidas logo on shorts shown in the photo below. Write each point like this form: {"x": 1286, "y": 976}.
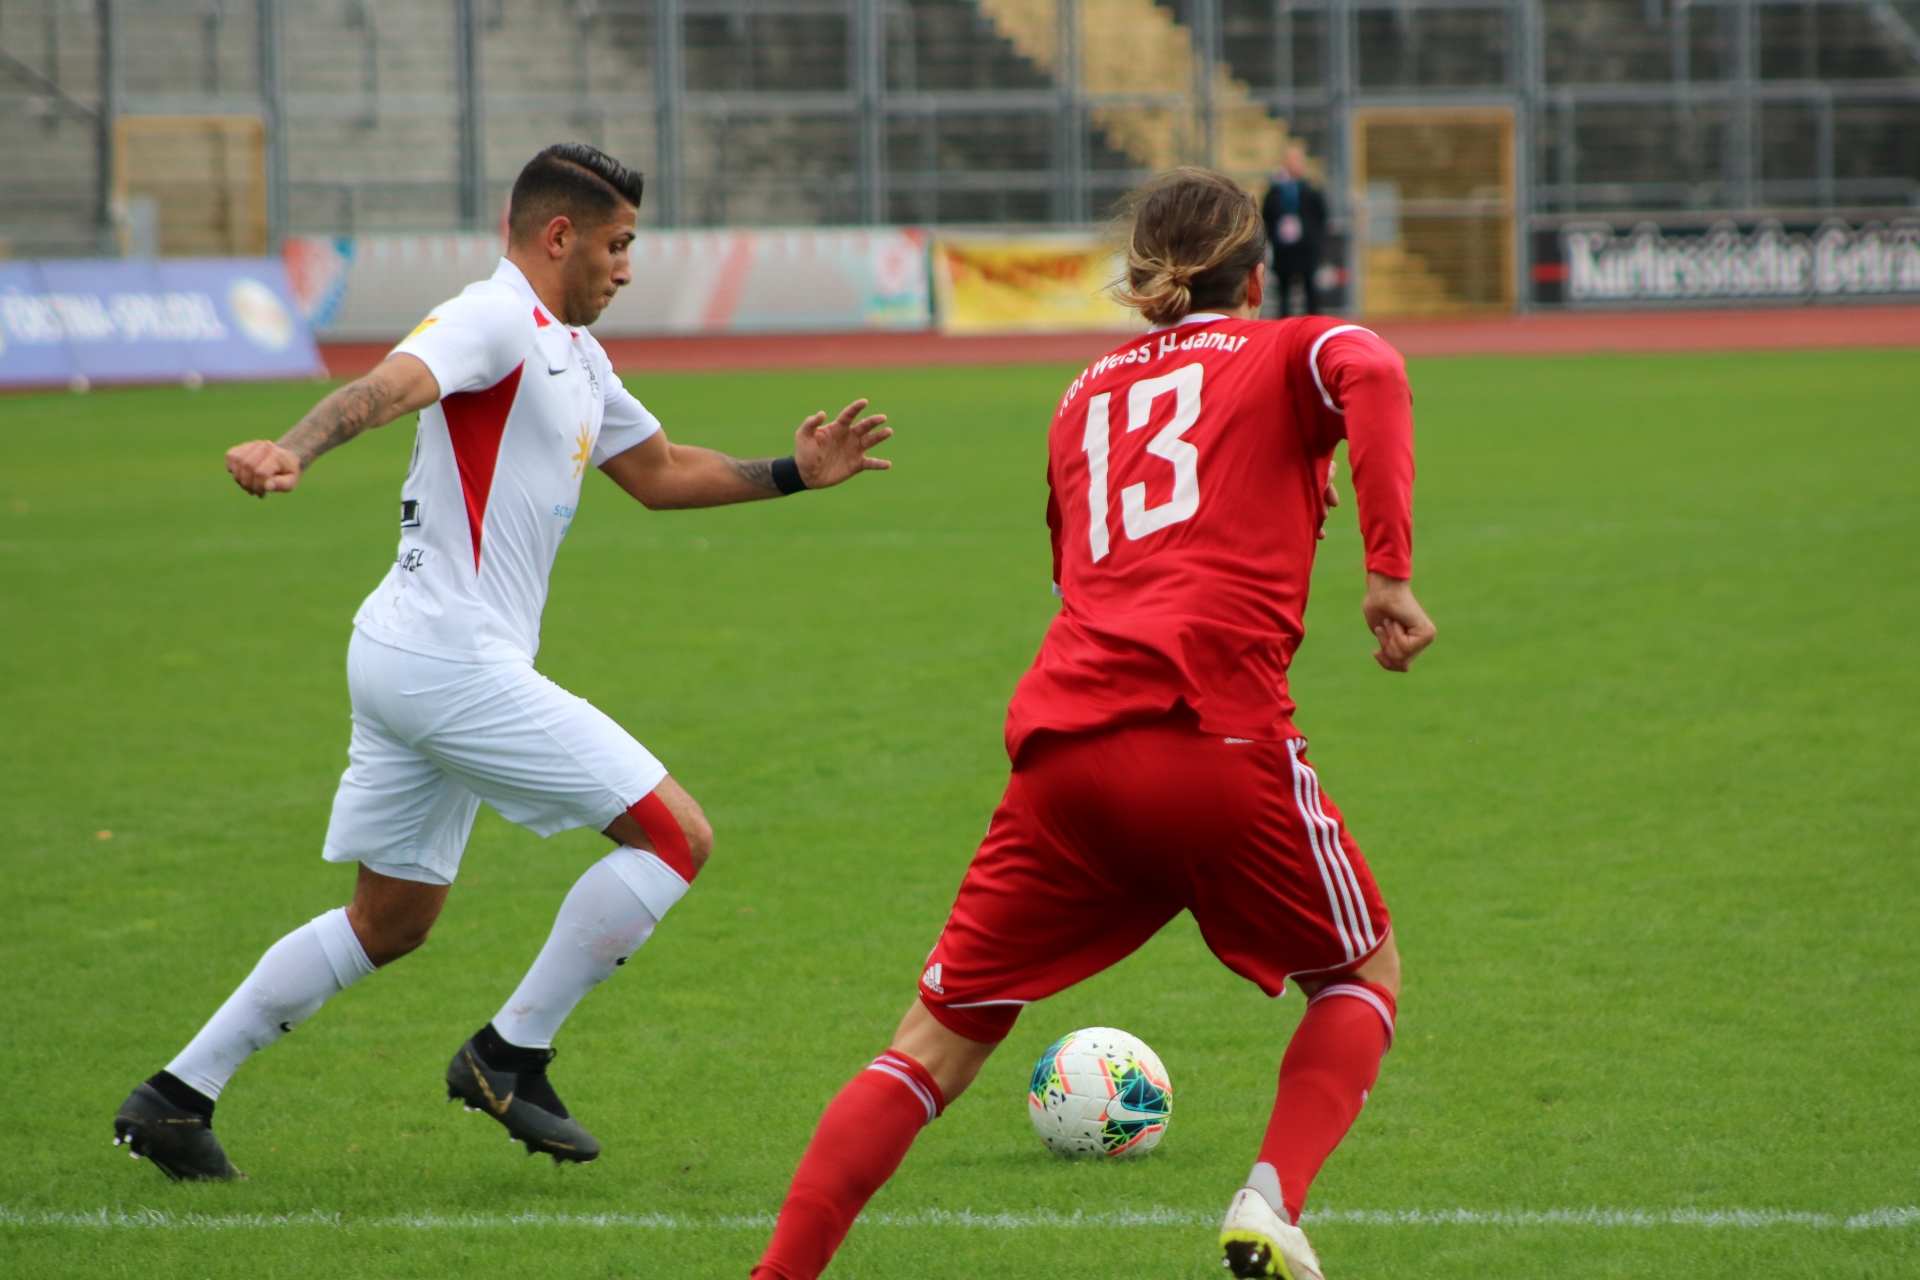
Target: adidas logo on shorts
{"x": 931, "y": 980}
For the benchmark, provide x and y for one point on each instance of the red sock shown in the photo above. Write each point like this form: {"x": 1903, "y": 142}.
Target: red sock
{"x": 1330, "y": 1064}
{"x": 861, "y": 1140}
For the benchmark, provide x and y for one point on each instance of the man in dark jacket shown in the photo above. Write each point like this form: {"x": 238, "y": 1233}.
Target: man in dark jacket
{"x": 1295, "y": 212}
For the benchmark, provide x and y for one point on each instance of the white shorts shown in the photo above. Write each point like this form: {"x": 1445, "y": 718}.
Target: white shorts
{"x": 432, "y": 738}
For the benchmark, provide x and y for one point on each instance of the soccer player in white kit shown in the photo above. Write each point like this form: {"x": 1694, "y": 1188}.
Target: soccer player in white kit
{"x": 516, "y": 400}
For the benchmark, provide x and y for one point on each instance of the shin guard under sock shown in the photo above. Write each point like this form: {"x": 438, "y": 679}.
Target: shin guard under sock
{"x": 1330, "y": 1064}
{"x": 294, "y": 978}
{"x": 602, "y": 922}
{"x": 861, "y": 1140}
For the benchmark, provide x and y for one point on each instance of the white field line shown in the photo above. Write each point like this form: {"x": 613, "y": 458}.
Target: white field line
{"x": 1736, "y": 1219}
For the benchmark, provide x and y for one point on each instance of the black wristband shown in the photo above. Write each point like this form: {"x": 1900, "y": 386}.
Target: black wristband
{"x": 786, "y": 476}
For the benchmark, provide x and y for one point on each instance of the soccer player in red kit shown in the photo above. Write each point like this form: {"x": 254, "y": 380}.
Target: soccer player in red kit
{"x": 1156, "y": 767}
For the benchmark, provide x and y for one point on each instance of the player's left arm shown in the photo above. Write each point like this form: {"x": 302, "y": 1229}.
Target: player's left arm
{"x": 1367, "y": 381}
{"x": 400, "y": 384}
{"x": 663, "y": 475}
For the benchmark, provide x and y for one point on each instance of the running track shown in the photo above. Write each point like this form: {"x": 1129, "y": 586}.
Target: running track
{"x": 1800, "y": 328}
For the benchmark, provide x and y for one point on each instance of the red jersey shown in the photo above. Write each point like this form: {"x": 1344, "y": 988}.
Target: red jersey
{"x": 1188, "y": 470}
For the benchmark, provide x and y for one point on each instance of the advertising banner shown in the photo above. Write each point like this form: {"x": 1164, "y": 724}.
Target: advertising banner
{"x": 834, "y": 280}
{"x": 1593, "y": 264}
{"x": 376, "y": 288}
{"x": 171, "y": 320}
{"x": 33, "y": 342}
{"x": 1040, "y": 284}
{"x": 825, "y": 280}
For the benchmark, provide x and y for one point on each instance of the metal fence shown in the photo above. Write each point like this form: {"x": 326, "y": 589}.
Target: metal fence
{"x": 392, "y": 115}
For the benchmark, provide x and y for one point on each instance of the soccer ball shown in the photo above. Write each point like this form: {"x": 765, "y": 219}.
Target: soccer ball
{"x": 1099, "y": 1092}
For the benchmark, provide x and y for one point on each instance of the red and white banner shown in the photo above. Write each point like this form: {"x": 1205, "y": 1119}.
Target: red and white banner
{"x": 377, "y": 287}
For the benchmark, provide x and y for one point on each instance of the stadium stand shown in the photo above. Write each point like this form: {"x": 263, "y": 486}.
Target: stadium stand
{"x": 1451, "y": 131}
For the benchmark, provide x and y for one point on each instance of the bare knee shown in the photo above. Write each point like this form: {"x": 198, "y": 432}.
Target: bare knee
{"x": 949, "y": 1057}
{"x": 393, "y": 917}
{"x": 692, "y": 819}
{"x": 699, "y": 833}
{"x": 686, "y": 814}
{"x": 1382, "y": 969}
{"x": 386, "y": 941}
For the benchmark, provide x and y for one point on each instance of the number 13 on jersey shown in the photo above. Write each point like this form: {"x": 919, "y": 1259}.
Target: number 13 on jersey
{"x": 1138, "y": 518}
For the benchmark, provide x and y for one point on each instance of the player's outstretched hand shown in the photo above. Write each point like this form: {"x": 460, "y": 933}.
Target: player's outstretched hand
{"x": 829, "y": 451}
{"x": 1397, "y": 621}
{"x": 262, "y": 467}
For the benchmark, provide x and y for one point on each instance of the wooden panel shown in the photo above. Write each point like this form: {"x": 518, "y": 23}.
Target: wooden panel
{"x": 1436, "y": 191}
{"x": 206, "y": 174}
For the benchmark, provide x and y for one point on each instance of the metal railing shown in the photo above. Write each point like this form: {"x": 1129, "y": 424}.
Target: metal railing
{"x": 1706, "y": 135}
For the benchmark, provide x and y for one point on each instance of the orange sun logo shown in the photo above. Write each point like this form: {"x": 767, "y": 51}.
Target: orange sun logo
{"x": 583, "y": 449}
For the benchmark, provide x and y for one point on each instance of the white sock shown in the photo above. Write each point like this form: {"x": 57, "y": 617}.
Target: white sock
{"x": 608, "y": 914}
{"x": 1266, "y": 1180}
{"x": 298, "y": 974}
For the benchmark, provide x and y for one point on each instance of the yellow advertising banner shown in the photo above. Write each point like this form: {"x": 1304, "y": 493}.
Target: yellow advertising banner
{"x": 1034, "y": 285}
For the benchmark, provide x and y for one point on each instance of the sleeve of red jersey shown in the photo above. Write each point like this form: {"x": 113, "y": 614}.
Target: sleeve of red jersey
{"x": 1365, "y": 381}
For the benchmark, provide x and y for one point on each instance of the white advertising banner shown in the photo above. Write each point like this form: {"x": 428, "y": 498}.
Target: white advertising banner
{"x": 375, "y": 288}
{"x": 1832, "y": 260}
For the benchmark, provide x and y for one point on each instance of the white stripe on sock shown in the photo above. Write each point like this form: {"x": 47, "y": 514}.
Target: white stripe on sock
{"x": 1358, "y": 992}
{"x": 886, "y": 1066}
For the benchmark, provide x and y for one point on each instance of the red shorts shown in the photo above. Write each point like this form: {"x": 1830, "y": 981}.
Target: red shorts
{"x": 1103, "y": 837}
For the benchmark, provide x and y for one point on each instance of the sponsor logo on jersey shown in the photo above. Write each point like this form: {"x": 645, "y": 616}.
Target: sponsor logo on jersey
{"x": 931, "y": 980}
{"x": 583, "y": 449}
{"x": 423, "y": 326}
{"x": 412, "y": 561}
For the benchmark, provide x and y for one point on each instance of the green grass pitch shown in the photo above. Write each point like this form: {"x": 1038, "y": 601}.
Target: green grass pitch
{"x": 1645, "y": 815}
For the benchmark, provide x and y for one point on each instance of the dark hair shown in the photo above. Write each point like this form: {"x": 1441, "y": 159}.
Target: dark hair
{"x": 570, "y": 180}
{"x": 1194, "y": 236}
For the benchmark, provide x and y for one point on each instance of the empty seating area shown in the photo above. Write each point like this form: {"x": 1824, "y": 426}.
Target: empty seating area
{"x": 388, "y": 115}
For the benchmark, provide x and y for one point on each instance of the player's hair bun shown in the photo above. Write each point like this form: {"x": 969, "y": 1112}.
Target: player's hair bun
{"x": 1192, "y": 236}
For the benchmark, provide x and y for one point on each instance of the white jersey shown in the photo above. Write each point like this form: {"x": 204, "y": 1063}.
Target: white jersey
{"x": 526, "y": 405}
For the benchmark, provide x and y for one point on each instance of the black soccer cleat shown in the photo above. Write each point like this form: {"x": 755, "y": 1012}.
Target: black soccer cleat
{"x": 169, "y": 1123}
{"x": 516, "y": 1092}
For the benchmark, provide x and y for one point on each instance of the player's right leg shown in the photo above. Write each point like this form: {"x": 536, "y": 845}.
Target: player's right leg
{"x": 406, "y": 823}
{"x": 864, "y": 1135}
{"x": 168, "y": 1118}
{"x": 1037, "y": 912}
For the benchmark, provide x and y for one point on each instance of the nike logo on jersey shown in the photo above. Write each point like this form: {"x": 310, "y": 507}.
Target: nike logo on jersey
{"x": 556, "y": 372}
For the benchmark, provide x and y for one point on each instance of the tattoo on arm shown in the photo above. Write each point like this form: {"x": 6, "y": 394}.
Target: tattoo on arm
{"x": 757, "y": 472}
{"x": 337, "y": 419}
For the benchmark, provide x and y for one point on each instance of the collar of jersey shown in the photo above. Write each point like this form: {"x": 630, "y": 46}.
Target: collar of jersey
{"x": 1198, "y": 317}
{"x": 516, "y": 279}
